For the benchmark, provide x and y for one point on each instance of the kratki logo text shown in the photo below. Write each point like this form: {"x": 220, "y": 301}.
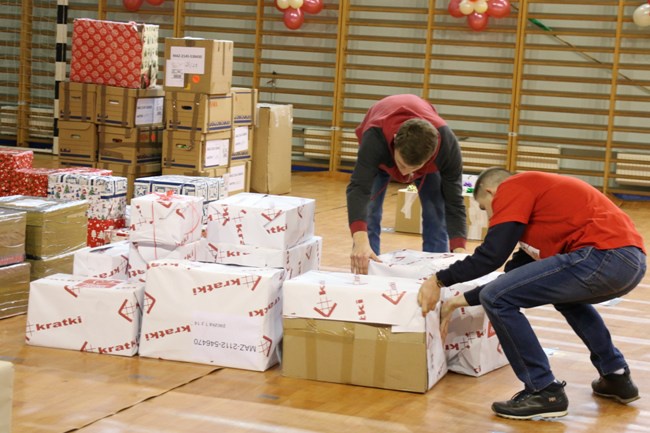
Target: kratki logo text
{"x": 156, "y": 335}
{"x": 69, "y": 321}
{"x": 264, "y": 311}
{"x": 249, "y": 281}
{"x": 125, "y": 347}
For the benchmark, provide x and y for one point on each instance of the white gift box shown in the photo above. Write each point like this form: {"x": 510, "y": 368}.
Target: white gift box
{"x": 107, "y": 261}
{"x": 87, "y": 314}
{"x": 106, "y": 195}
{"x": 212, "y": 314}
{"x": 269, "y": 221}
{"x": 367, "y": 299}
{"x": 166, "y": 219}
{"x": 471, "y": 345}
{"x": 141, "y": 254}
{"x": 295, "y": 261}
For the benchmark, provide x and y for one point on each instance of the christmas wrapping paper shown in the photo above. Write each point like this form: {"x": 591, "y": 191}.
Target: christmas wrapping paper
{"x": 12, "y": 159}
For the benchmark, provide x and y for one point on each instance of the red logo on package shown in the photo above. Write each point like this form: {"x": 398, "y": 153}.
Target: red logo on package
{"x": 393, "y": 295}
{"x": 325, "y": 307}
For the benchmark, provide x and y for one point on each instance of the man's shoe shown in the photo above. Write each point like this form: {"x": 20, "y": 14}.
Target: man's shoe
{"x": 617, "y": 386}
{"x": 551, "y": 402}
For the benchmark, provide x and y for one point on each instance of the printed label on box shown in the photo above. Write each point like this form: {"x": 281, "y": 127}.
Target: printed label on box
{"x": 241, "y": 139}
{"x": 192, "y": 59}
{"x": 149, "y": 111}
{"x": 220, "y": 337}
{"x": 174, "y": 75}
{"x": 216, "y": 152}
{"x": 237, "y": 178}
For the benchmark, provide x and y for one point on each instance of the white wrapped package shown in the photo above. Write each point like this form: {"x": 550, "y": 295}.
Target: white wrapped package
{"x": 212, "y": 314}
{"x": 366, "y": 299}
{"x": 471, "y": 345}
{"x": 268, "y": 221}
{"x": 6, "y": 395}
{"x": 166, "y": 219}
{"x": 107, "y": 261}
{"x": 295, "y": 261}
{"x": 87, "y": 314}
{"x": 143, "y": 253}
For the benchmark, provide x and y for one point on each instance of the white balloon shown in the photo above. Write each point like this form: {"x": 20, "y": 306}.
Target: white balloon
{"x": 296, "y": 4}
{"x": 282, "y": 4}
{"x": 641, "y": 15}
{"x": 465, "y": 7}
{"x": 481, "y": 6}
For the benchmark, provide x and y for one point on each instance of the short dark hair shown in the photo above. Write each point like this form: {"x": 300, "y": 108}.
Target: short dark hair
{"x": 492, "y": 176}
{"x": 416, "y": 140}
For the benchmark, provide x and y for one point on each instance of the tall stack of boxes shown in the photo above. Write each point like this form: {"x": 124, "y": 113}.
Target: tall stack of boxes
{"x": 14, "y": 270}
{"x": 111, "y": 111}
{"x": 208, "y": 123}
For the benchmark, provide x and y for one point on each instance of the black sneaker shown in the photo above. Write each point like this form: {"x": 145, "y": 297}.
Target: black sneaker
{"x": 617, "y": 386}
{"x": 551, "y": 402}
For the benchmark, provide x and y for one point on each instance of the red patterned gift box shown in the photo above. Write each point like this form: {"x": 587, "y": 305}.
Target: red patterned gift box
{"x": 34, "y": 181}
{"x": 99, "y": 231}
{"x": 11, "y": 159}
{"x": 114, "y": 53}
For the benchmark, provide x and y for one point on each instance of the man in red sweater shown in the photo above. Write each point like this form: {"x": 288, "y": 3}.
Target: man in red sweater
{"x": 576, "y": 248}
{"x": 402, "y": 137}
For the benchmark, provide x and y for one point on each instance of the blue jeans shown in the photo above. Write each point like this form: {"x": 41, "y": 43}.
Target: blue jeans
{"x": 571, "y": 283}
{"x": 434, "y": 225}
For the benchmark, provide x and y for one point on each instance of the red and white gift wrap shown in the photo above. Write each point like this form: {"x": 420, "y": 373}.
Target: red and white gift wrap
{"x": 114, "y": 53}
{"x": 109, "y": 261}
{"x": 86, "y": 314}
{"x": 269, "y": 221}
{"x": 295, "y": 261}
{"x": 99, "y": 230}
{"x": 32, "y": 181}
{"x": 10, "y": 161}
{"x": 141, "y": 254}
{"x": 366, "y": 299}
{"x": 212, "y": 314}
{"x": 106, "y": 194}
{"x": 166, "y": 219}
{"x": 471, "y": 345}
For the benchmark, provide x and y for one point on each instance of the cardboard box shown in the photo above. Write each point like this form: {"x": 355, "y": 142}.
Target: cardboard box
{"x": 198, "y": 65}
{"x": 471, "y": 346}
{"x": 212, "y": 314}
{"x": 78, "y": 140}
{"x": 196, "y": 152}
{"x": 54, "y": 227}
{"x": 132, "y": 172}
{"x": 77, "y": 101}
{"x": 362, "y": 330}
{"x": 408, "y": 218}
{"x": 271, "y": 166}
{"x": 269, "y": 221}
{"x": 114, "y": 53}
{"x": 61, "y": 264}
{"x": 244, "y": 106}
{"x": 107, "y": 261}
{"x": 166, "y": 219}
{"x": 6, "y": 395}
{"x": 76, "y": 163}
{"x": 241, "y": 143}
{"x": 14, "y": 290}
{"x": 198, "y": 112}
{"x": 87, "y": 314}
{"x": 13, "y": 225}
{"x": 139, "y": 145}
{"x": 130, "y": 108}
{"x": 295, "y": 261}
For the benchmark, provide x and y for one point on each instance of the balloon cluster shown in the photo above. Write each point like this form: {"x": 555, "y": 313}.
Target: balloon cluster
{"x": 135, "y": 5}
{"x": 478, "y": 11}
{"x": 641, "y": 16}
{"x": 294, "y": 11}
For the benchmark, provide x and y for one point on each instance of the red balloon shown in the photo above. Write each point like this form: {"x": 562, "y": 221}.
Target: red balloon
{"x": 314, "y": 6}
{"x": 155, "y": 2}
{"x": 293, "y": 18}
{"x": 499, "y": 8}
{"x": 454, "y": 11}
{"x": 477, "y": 21}
{"x": 132, "y": 5}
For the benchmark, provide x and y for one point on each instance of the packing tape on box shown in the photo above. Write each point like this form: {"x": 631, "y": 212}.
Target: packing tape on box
{"x": 409, "y": 199}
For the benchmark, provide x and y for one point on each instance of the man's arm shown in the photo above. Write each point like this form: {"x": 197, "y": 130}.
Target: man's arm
{"x": 450, "y": 165}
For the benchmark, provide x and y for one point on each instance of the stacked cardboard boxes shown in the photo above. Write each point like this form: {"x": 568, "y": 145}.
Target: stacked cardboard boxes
{"x": 14, "y": 271}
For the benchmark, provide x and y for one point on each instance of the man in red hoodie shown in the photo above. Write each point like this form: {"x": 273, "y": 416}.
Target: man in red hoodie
{"x": 402, "y": 137}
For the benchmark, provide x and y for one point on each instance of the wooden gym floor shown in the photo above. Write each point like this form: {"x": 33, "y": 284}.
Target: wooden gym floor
{"x": 57, "y": 391}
